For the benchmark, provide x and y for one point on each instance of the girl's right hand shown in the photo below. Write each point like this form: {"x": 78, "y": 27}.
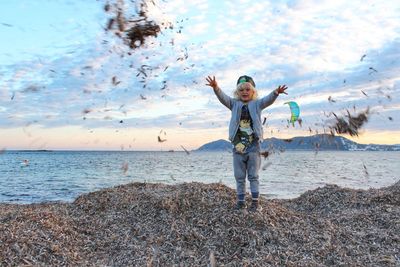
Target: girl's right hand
{"x": 212, "y": 82}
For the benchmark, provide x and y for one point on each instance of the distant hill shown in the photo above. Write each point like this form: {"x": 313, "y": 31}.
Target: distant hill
{"x": 320, "y": 142}
{"x": 218, "y": 145}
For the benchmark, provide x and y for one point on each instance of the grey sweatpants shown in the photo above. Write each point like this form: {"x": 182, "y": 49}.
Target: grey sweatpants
{"x": 247, "y": 164}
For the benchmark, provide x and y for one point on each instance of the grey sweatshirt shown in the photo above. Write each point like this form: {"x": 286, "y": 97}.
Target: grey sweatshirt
{"x": 255, "y": 109}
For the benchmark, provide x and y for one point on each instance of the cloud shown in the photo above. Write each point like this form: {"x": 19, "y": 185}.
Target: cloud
{"x": 314, "y": 47}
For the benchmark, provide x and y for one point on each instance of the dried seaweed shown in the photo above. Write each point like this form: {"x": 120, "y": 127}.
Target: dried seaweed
{"x": 138, "y": 33}
{"x": 134, "y": 29}
{"x": 193, "y": 224}
{"x": 350, "y": 126}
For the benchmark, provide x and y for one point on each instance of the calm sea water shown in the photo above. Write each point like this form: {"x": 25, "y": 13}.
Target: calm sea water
{"x": 64, "y": 175}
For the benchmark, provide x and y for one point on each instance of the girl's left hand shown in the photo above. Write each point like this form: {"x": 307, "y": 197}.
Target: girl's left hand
{"x": 281, "y": 89}
{"x": 212, "y": 82}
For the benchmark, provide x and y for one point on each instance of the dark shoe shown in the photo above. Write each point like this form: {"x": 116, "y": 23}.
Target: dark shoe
{"x": 240, "y": 205}
{"x": 255, "y": 206}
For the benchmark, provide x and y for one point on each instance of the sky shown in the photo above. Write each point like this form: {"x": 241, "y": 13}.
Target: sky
{"x": 67, "y": 83}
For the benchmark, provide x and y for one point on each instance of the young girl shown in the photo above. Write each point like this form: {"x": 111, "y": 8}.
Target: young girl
{"x": 246, "y": 133}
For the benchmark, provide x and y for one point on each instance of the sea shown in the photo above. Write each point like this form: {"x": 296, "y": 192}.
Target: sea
{"x": 46, "y": 176}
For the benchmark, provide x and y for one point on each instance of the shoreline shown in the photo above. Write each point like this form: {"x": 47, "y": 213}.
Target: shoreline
{"x": 193, "y": 223}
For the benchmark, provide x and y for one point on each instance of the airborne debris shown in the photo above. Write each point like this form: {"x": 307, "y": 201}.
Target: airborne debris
{"x": 6, "y": 24}
{"x": 114, "y": 81}
{"x": 125, "y": 167}
{"x": 132, "y": 29}
{"x": 160, "y": 140}
{"x": 373, "y": 70}
{"x": 265, "y": 119}
{"x": 187, "y": 152}
{"x": 32, "y": 88}
{"x": 86, "y": 111}
{"x": 330, "y": 99}
{"x": 350, "y": 126}
{"x": 265, "y": 154}
{"x": 365, "y": 170}
{"x": 266, "y": 165}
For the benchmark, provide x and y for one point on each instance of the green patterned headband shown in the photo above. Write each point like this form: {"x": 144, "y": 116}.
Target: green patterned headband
{"x": 246, "y": 79}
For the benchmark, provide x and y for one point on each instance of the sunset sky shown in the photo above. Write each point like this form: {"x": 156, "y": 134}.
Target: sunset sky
{"x": 57, "y": 65}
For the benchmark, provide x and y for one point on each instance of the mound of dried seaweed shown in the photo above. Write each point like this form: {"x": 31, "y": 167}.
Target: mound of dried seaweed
{"x": 193, "y": 224}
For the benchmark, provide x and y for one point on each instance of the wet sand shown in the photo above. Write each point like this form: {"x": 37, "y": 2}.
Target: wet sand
{"x": 193, "y": 224}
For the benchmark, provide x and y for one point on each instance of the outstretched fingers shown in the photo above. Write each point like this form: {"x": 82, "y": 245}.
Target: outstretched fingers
{"x": 211, "y": 81}
{"x": 282, "y": 89}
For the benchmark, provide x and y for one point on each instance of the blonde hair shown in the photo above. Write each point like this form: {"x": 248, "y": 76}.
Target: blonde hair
{"x": 240, "y": 86}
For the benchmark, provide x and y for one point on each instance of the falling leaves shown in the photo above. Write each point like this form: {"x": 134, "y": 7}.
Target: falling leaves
{"x": 300, "y": 122}
{"x": 138, "y": 33}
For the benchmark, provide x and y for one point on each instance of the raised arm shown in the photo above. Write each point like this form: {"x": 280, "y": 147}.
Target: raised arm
{"x": 226, "y": 100}
{"x": 269, "y": 99}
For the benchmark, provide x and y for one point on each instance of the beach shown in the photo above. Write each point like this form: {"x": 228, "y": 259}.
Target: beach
{"x": 193, "y": 224}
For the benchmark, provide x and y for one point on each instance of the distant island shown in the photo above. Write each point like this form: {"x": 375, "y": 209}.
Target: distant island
{"x": 314, "y": 142}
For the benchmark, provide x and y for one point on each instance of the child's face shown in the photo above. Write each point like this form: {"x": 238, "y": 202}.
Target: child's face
{"x": 246, "y": 92}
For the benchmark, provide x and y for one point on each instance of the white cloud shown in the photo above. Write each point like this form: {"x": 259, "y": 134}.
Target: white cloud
{"x": 314, "y": 47}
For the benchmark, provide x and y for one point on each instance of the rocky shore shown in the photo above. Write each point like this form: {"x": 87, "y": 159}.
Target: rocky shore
{"x": 193, "y": 224}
